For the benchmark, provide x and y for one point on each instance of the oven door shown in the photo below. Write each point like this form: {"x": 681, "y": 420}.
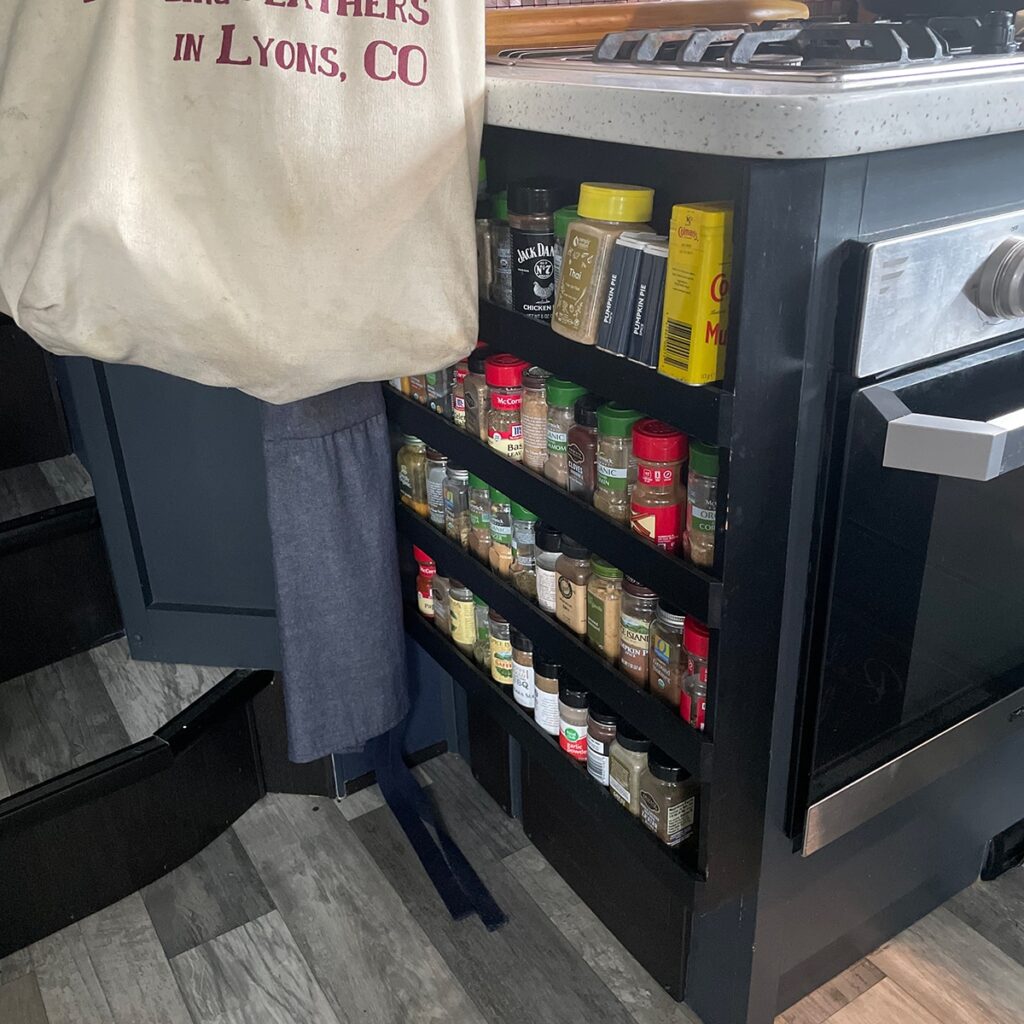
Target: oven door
{"x": 923, "y": 657}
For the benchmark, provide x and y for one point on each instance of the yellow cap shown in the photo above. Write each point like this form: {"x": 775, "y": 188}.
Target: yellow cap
{"x": 624, "y": 203}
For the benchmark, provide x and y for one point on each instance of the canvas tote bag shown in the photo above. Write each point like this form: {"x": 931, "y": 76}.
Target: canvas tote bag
{"x": 272, "y": 195}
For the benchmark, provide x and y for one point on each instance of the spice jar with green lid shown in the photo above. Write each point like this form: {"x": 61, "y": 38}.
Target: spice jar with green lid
{"x": 482, "y": 645}
{"x": 563, "y": 218}
{"x": 524, "y": 551}
{"x": 462, "y": 616}
{"x": 668, "y": 799}
{"x": 501, "y": 649}
{"x": 616, "y": 466}
{"x": 500, "y": 554}
{"x": 479, "y": 518}
{"x": 412, "y": 475}
{"x": 604, "y": 607}
{"x": 562, "y": 396}
{"x": 627, "y": 762}
{"x": 701, "y": 504}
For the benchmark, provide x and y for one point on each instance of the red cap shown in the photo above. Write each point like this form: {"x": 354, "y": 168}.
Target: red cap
{"x": 655, "y": 441}
{"x": 505, "y": 371}
{"x": 695, "y": 637}
{"x": 420, "y": 555}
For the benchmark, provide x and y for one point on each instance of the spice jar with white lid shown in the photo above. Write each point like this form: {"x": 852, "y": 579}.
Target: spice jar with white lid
{"x": 668, "y": 799}
{"x": 627, "y": 762}
{"x": 501, "y": 649}
{"x": 437, "y": 474}
{"x": 547, "y": 681}
{"x": 604, "y": 608}
{"x": 505, "y": 416}
{"x": 668, "y": 662}
{"x": 694, "y": 697}
{"x": 535, "y": 418}
{"x": 474, "y": 389}
{"x": 602, "y": 725}
{"x": 524, "y": 687}
{"x": 573, "y": 714}
{"x": 573, "y": 575}
{"x": 549, "y": 550}
{"x": 656, "y": 505}
{"x": 638, "y": 609}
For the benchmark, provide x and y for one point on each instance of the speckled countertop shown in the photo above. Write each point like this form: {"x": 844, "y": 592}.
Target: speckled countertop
{"x": 746, "y": 118}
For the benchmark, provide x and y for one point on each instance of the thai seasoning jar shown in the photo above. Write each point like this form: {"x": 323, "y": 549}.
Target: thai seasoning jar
{"x": 436, "y": 474}
{"x": 573, "y": 576}
{"x": 547, "y": 680}
{"x": 549, "y": 550}
{"x": 524, "y": 687}
{"x": 562, "y": 396}
{"x": 581, "y": 449}
{"x": 428, "y": 570}
{"x": 462, "y": 616}
{"x": 501, "y": 649}
{"x": 563, "y": 218}
{"x": 668, "y": 799}
{"x": 605, "y": 211}
{"x": 602, "y": 725}
{"x": 616, "y": 466}
{"x": 505, "y": 416}
{"x": 573, "y": 708}
{"x": 637, "y": 614}
{"x": 439, "y": 596}
{"x": 668, "y": 662}
{"x": 479, "y": 518}
{"x": 412, "y": 475}
{"x": 604, "y": 608}
{"x": 531, "y": 208}
{"x": 500, "y": 553}
{"x": 693, "y": 701}
{"x": 701, "y": 504}
{"x": 482, "y": 645}
{"x": 501, "y": 249}
{"x": 459, "y": 393}
{"x": 657, "y": 501}
{"x": 627, "y": 762}
{"x": 474, "y": 389}
{"x": 524, "y": 551}
{"x": 456, "y": 505}
{"x": 535, "y": 418}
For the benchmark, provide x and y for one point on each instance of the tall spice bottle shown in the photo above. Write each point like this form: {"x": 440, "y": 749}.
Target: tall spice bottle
{"x": 505, "y": 417}
{"x": 656, "y": 507}
{"x": 531, "y": 208}
{"x": 581, "y": 450}
{"x": 535, "y": 418}
{"x": 474, "y": 392}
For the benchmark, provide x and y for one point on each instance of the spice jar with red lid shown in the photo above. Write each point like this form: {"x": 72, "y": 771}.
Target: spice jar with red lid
{"x": 693, "y": 700}
{"x": 428, "y": 570}
{"x": 656, "y": 508}
{"x": 505, "y": 416}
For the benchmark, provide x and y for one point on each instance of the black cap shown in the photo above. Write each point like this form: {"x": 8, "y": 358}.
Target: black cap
{"x": 573, "y": 549}
{"x": 547, "y": 669}
{"x": 600, "y": 712}
{"x": 573, "y": 695}
{"x": 632, "y": 739}
{"x": 478, "y": 358}
{"x": 548, "y": 538}
{"x": 535, "y": 195}
{"x": 661, "y": 766}
{"x": 520, "y": 642}
{"x": 585, "y": 410}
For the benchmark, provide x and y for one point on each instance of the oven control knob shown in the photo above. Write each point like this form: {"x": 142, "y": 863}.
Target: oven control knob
{"x": 1001, "y": 286}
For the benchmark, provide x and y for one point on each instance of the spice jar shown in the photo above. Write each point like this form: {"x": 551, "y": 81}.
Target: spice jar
{"x": 501, "y": 648}
{"x": 549, "y": 549}
{"x": 479, "y": 518}
{"x": 535, "y": 418}
{"x": 456, "y": 505}
{"x": 668, "y": 662}
{"x": 573, "y": 705}
{"x": 563, "y": 218}
{"x": 459, "y": 393}
{"x": 604, "y": 608}
{"x": 412, "y": 474}
{"x": 573, "y": 576}
{"x": 627, "y": 764}
{"x": 428, "y": 570}
{"x": 605, "y": 211}
{"x": 524, "y": 688}
{"x": 501, "y": 248}
{"x": 701, "y": 504}
{"x": 531, "y": 208}
{"x": 602, "y": 725}
{"x": 437, "y": 474}
{"x": 418, "y": 388}
{"x": 484, "y": 254}
{"x": 562, "y": 396}
{"x": 474, "y": 389}
{"x": 616, "y": 466}
{"x": 462, "y": 616}
{"x": 500, "y": 553}
{"x": 439, "y": 596}
{"x": 638, "y": 608}
{"x": 668, "y": 799}
{"x": 656, "y": 504}
{"x": 546, "y": 678}
{"x": 505, "y": 417}
{"x": 693, "y": 701}
{"x": 581, "y": 449}
{"x": 482, "y": 645}
{"x": 524, "y": 551}
{"x": 439, "y": 391}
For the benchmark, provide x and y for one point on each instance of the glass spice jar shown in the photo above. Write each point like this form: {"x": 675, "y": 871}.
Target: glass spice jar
{"x": 602, "y": 725}
{"x": 616, "y": 466}
{"x": 462, "y": 616}
{"x": 505, "y": 417}
{"x": 573, "y": 708}
{"x": 638, "y": 609}
{"x": 562, "y": 396}
{"x": 459, "y": 393}
{"x": 456, "y": 505}
{"x": 604, "y": 608}
{"x": 549, "y": 550}
{"x": 428, "y": 570}
{"x": 668, "y": 662}
{"x": 581, "y": 449}
{"x": 501, "y": 649}
{"x": 500, "y": 552}
{"x": 668, "y": 799}
{"x": 531, "y": 208}
{"x": 412, "y": 475}
{"x": 437, "y": 474}
{"x": 501, "y": 247}
{"x": 484, "y": 255}
{"x": 535, "y": 418}
{"x": 482, "y": 645}
{"x": 693, "y": 701}
{"x": 573, "y": 576}
{"x": 524, "y": 551}
{"x": 547, "y": 680}
{"x": 627, "y": 762}
{"x": 701, "y": 504}
{"x": 524, "y": 687}
{"x": 656, "y": 503}
{"x": 479, "y": 518}
{"x": 474, "y": 389}
{"x": 439, "y": 595}
{"x": 439, "y": 391}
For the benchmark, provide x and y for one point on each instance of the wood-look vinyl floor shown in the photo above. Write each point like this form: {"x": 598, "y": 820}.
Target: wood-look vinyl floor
{"x": 42, "y": 485}
{"x": 310, "y": 911}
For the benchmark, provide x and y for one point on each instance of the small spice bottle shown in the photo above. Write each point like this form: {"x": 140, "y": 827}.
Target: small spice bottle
{"x": 668, "y": 799}
{"x": 581, "y": 450}
{"x": 602, "y": 725}
{"x": 439, "y": 391}
{"x": 524, "y": 687}
{"x": 562, "y": 396}
{"x": 412, "y": 475}
{"x": 428, "y": 570}
{"x": 627, "y": 763}
{"x": 531, "y": 208}
{"x": 573, "y": 576}
{"x": 501, "y": 649}
{"x": 701, "y": 504}
{"x": 459, "y": 394}
{"x": 474, "y": 389}
{"x": 563, "y": 218}
{"x": 418, "y": 388}
{"x": 616, "y": 466}
{"x": 546, "y": 677}
{"x": 656, "y": 504}
{"x": 501, "y": 248}
{"x": 535, "y": 418}
{"x": 693, "y": 701}
{"x": 500, "y": 552}
{"x": 604, "y": 608}
{"x": 524, "y": 551}
{"x": 440, "y": 596}
{"x": 484, "y": 255}
{"x": 573, "y": 707}
{"x": 479, "y": 518}
{"x": 505, "y": 417}
{"x": 549, "y": 550}
{"x": 437, "y": 474}
{"x": 456, "y": 505}
{"x": 668, "y": 662}
{"x": 462, "y": 616}
{"x": 638, "y": 609}
{"x": 482, "y": 645}
{"x": 605, "y": 211}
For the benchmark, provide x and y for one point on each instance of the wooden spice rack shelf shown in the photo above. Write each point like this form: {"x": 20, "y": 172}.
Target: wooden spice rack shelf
{"x": 696, "y": 592}
{"x": 592, "y": 798}
{"x": 660, "y": 723}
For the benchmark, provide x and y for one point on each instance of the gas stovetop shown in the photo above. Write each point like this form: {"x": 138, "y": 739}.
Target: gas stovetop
{"x": 810, "y": 51}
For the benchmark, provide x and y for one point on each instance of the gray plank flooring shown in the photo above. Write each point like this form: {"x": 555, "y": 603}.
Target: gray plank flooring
{"x": 21, "y": 1002}
{"x": 25, "y": 490}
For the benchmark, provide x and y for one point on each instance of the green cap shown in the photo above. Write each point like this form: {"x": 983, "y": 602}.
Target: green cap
{"x": 520, "y": 513}
{"x": 479, "y": 602}
{"x": 703, "y": 458}
{"x": 614, "y": 420}
{"x": 605, "y": 570}
{"x": 564, "y": 393}
{"x": 499, "y": 204}
{"x": 563, "y": 218}
{"x": 497, "y": 498}
{"x": 478, "y": 484}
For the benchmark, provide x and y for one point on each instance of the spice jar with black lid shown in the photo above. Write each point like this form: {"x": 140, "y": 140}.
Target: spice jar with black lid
{"x": 547, "y": 680}
{"x": 549, "y": 550}
{"x": 531, "y": 209}
{"x": 627, "y": 764}
{"x": 668, "y": 799}
{"x": 581, "y": 449}
{"x": 602, "y": 725}
{"x": 474, "y": 391}
{"x": 574, "y": 572}
{"x": 573, "y": 707}
{"x": 524, "y": 688}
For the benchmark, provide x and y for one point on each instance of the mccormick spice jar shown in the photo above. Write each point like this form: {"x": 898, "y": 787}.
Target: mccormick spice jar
{"x": 546, "y": 677}
{"x": 482, "y": 645}
{"x": 668, "y": 662}
{"x": 549, "y": 550}
{"x": 602, "y": 725}
{"x": 535, "y": 418}
{"x": 437, "y": 474}
{"x": 638, "y": 609}
{"x": 459, "y": 394}
{"x": 701, "y": 504}
{"x": 439, "y": 596}
{"x": 462, "y": 616}
{"x": 616, "y": 466}
{"x": 456, "y": 505}
{"x": 501, "y": 649}
{"x": 693, "y": 701}
{"x": 657, "y": 501}
{"x": 428, "y": 570}
{"x": 573, "y": 705}
{"x": 524, "y": 687}
{"x": 668, "y": 799}
{"x": 505, "y": 418}
{"x": 604, "y": 608}
{"x": 524, "y": 551}
{"x": 475, "y": 392}
{"x": 500, "y": 553}
{"x": 479, "y": 518}
{"x": 531, "y": 208}
{"x": 573, "y": 575}
{"x": 501, "y": 250}
{"x": 412, "y": 475}
{"x": 627, "y": 762}
{"x": 581, "y": 450}
{"x": 562, "y": 396}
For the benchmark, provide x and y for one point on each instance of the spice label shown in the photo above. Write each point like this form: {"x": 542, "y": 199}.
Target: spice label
{"x": 679, "y": 821}
{"x": 597, "y": 760}
{"x": 660, "y": 524}
{"x": 503, "y": 261}
{"x": 473, "y": 411}
{"x": 404, "y": 483}
{"x": 459, "y": 410}
{"x": 618, "y": 779}
{"x": 692, "y": 670}
{"x": 509, "y": 442}
{"x": 650, "y": 810}
{"x": 685, "y": 705}
{"x": 425, "y": 601}
{"x": 435, "y": 498}
{"x": 573, "y": 740}
{"x": 501, "y": 533}
{"x": 577, "y": 461}
{"x": 611, "y": 477}
{"x": 656, "y": 476}
{"x": 463, "y": 620}
{"x": 533, "y": 273}
{"x": 523, "y": 687}
{"x": 547, "y": 590}
{"x": 595, "y": 620}
{"x": 572, "y": 605}
{"x": 545, "y": 712}
{"x": 480, "y": 518}
{"x": 698, "y": 712}
{"x": 535, "y": 434}
{"x": 577, "y": 275}
{"x": 501, "y": 661}
{"x": 635, "y": 642}
{"x": 700, "y": 520}
{"x": 557, "y": 440}
{"x": 505, "y": 400}
{"x": 523, "y": 542}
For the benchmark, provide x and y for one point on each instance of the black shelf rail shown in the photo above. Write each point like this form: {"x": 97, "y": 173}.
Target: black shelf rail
{"x": 704, "y": 413}
{"x": 593, "y": 798}
{"x": 678, "y": 582}
{"x": 660, "y": 723}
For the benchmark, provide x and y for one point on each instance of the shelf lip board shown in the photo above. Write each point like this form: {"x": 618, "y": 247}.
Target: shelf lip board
{"x": 704, "y": 413}
{"x": 662, "y": 725}
{"x": 545, "y": 749}
{"x": 678, "y": 582}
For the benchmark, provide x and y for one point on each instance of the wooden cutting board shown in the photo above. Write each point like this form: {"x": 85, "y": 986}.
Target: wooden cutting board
{"x": 588, "y": 25}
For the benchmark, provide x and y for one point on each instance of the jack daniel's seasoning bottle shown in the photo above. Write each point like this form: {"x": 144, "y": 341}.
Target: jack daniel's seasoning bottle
{"x": 531, "y": 208}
